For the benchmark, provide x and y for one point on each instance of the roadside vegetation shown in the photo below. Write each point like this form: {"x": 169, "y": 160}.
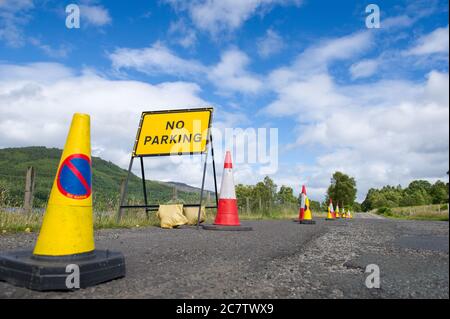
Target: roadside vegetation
{"x": 418, "y": 193}
{"x": 13, "y": 222}
{"x": 421, "y": 200}
{"x": 425, "y": 212}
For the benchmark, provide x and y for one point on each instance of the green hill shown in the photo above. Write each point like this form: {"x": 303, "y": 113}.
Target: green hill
{"x": 106, "y": 180}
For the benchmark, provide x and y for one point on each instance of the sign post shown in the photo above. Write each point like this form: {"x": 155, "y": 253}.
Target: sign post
{"x": 172, "y": 133}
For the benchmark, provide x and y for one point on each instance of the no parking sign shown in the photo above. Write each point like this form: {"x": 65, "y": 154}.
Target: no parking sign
{"x": 74, "y": 177}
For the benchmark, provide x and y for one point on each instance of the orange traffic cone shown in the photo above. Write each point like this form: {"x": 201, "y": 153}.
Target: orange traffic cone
{"x": 331, "y": 215}
{"x": 227, "y": 217}
{"x": 305, "y": 215}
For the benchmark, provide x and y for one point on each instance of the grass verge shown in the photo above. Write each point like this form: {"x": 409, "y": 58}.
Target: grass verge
{"x": 414, "y": 213}
{"x": 15, "y": 222}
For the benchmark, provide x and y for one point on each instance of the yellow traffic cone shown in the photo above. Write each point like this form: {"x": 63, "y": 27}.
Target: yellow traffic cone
{"x": 349, "y": 214}
{"x": 67, "y": 234}
{"x": 338, "y": 215}
{"x": 67, "y": 228}
{"x": 344, "y": 214}
{"x": 307, "y": 215}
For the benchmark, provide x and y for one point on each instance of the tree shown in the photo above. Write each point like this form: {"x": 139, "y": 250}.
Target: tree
{"x": 315, "y": 206}
{"x": 417, "y": 193}
{"x": 342, "y": 189}
{"x": 271, "y": 188}
{"x": 243, "y": 192}
{"x": 266, "y": 192}
{"x": 439, "y": 193}
{"x": 357, "y": 207}
{"x": 286, "y": 195}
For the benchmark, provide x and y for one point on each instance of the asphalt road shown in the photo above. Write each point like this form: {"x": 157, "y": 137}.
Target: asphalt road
{"x": 278, "y": 259}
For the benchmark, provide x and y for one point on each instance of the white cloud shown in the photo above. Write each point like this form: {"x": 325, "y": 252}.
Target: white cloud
{"x": 370, "y": 130}
{"x": 228, "y": 75}
{"x": 184, "y": 36}
{"x": 225, "y": 15}
{"x": 14, "y": 14}
{"x": 60, "y": 52}
{"x": 157, "y": 59}
{"x": 270, "y": 44}
{"x": 432, "y": 43}
{"x": 94, "y": 15}
{"x": 317, "y": 57}
{"x": 364, "y": 69}
{"x": 37, "y": 102}
{"x": 34, "y": 73}
{"x": 397, "y": 22}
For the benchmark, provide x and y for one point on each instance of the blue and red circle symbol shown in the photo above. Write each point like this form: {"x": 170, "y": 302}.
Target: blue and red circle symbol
{"x": 74, "y": 177}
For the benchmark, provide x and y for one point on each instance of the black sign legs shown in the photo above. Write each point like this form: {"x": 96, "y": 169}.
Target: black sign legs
{"x": 125, "y": 189}
{"x": 201, "y": 192}
{"x": 144, "y": 188}
{"x": 214, "y": 170}
{"x": 149, "y": 207}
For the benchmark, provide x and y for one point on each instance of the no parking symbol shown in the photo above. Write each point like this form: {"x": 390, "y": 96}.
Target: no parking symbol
{"x": 74, "y": 177}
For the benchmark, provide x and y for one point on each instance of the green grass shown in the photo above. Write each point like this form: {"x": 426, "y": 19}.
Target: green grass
{"x": 132, "y": 218}
{"x": 21, "y": 222}
{"x": 428, "y": 212}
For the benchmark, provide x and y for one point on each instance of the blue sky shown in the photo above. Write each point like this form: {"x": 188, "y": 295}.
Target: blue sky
{"x": 370, "y": 102}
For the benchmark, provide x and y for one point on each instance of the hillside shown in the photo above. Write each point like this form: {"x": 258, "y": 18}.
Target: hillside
{"x": 106, "y": 179}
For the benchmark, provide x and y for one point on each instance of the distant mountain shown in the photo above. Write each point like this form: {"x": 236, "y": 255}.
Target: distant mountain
{"x": 106, "y": 180}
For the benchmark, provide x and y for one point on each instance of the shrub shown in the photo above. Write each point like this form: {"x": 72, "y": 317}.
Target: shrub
{"x": 384, "y": 211}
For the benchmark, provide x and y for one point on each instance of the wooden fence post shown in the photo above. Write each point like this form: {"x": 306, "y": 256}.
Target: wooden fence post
{"x": 29, "y": 189}
{"x": 175, "y": 193}
{"x": 122, "y": 191}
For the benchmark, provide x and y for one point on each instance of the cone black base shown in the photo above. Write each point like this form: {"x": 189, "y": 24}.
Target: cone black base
{"x": 330, "y": 218}
{"x": 43, "y": 273}
{"x": 305, "y": 222}
{"x": 227, "y": 228}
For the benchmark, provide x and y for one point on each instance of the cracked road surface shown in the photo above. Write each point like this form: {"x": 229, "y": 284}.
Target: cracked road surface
{"x": 278, "y": 259}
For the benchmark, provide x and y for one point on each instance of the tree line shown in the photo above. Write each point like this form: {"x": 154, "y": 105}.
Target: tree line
{"x": 342, "y": 190}
{"x": 418, "y": 193}
{"x": 266, "y": 195}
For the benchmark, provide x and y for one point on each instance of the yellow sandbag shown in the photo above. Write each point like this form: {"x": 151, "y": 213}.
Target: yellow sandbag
{"x": 171, "y": 216}
{"x": 191, "y": 214}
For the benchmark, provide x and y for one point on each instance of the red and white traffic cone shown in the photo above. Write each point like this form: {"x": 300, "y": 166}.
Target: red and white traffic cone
{"x": 305, "y": 215}
{"x": 331, "y": 214}
{"x": 227, "y": 217}
{"x": 301, "y": 213}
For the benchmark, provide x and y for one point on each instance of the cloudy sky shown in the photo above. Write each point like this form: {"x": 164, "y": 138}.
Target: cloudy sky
{"x": 373, "y": 103}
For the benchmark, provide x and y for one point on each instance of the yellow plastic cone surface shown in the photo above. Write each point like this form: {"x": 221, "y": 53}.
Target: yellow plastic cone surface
{"x": 329, "y": 215}
{"x": 67, "y": 228}
{"x": 308, "y": 214}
